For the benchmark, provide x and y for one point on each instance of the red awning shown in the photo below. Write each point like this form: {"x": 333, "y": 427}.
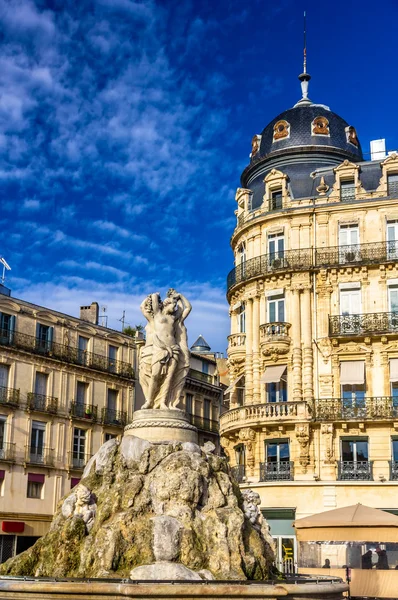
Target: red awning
{"x": 36, "y": 477}
{"x": 13, "y": 526}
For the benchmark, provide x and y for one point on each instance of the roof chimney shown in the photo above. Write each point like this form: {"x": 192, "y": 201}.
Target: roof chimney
{"x": 90, "y": 313}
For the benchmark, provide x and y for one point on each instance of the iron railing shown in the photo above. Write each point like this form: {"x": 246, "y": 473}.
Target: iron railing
{"x": 77, "y": 460}
{"x": 7, "y": 452}
{"x": 9, "y": 396}
{"x": 117, "y": 418}
{"x": 369, "y": 407}
{"x": 201, "y": 376}
{"x": 41, "y": 403}
{"x": 276, "y": 471}
{"x": 65, "y": 353}
{"x": 83, "y": 411}
{"x": 357, "y": 254}
{"x": 275, "y": 330}
{"x": 351, "y": 470}
{"x": 293, "y": 260}
{"x": 203, "y": 423}
{"x": 363, "y": 324}
{"x": 239, "y": 473}
{"x": 393, "y": 470}
{"x": 39, "y": 455}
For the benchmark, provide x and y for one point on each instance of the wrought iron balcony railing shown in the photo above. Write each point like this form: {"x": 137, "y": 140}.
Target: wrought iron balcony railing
{"x": 379, "y": 252}
{"x": 7, "y": 452}
{"x": 117, "y": 418}
{"x": 393, "y": 470}
{"x": 276, "y": 471}
{"x": 275, "y": 330}
{"x": 363, "y": 324}
{"x": 77, "y": 460}
{"x": 370, "y": 407}
{"x": 201, "y": 376}
{"x": 64, "y": 353}
{"x": 351, "y": 470}
{"x": 83, "y": 411}
{"x": 9, "y": 396}
{"x": 239, "y": 473}
{"x": 204, "y": 424}
{"x": 290, "y": 260}
{"x": 39, "y": 455}
{"x": 41, "y": 403}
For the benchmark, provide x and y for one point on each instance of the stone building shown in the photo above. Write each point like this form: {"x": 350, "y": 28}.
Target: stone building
{"x": 313, "y": 352}
{"x": 66, "y": 386}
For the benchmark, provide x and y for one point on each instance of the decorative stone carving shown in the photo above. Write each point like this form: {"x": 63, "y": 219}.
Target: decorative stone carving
{"x": 303, "y": 438}
{"x": 256, "y": 141}
{"x": 281, "y": 130}
{"x": 164, "y": 360}
{"x": 251, "y": 503}
{"x": 351, "y": 135}
{"x": 248, "y": 436}
{"x": 327, "y": 432}
{"x": 80, "y": 504}
{"x": 320, "y": 126}
{"x": 322, "y": 188}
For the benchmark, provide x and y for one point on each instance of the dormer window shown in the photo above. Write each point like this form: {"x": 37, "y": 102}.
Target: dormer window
{"x": 392, "y": 184}
{"x": 347, "y": 190}
{"x": 351, "y": 135}
{"x": 320, "y": 126}
{"x": 281, "y": 130}
{"x": 276, "y": 200}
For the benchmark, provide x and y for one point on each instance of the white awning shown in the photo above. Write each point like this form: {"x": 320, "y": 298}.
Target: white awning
{"x": 393, "y": 369}
{"x": 233, "y": 384}
{"x": 352, "y": 372}
{"x": 273, "y": 374}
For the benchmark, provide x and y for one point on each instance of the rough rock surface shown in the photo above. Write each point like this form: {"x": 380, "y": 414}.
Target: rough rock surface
{"x": 127, "y": 487}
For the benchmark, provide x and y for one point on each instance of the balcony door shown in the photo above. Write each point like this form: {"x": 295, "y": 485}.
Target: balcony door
{"x": 7, "y": 326}
{"x": 82, "y": 349}
{"x": 41, "y": 382}
{"x": 3, "y": 421}
{"x": 276, "y": 309}
{"x": 79, "y": 447}
{"x": 350, "y": 302}
{"x": 392, "y": 239}
{"x": 241, "y": 317}
{"x": 277, "y": 460}
{"x": 276, "y": 248}
{"x": 349, "y": 243}
{"x": 4, "y": 371}
{"x": 37, "y": 441}
{"x": 354, "y": 451}
{"x": 241, "y": 260}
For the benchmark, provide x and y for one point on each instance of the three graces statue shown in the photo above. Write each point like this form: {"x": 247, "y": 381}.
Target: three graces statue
{"x": 164, "y": 360}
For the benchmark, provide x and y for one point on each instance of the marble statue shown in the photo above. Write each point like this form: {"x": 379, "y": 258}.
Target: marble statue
{"x": 164, "y": 361}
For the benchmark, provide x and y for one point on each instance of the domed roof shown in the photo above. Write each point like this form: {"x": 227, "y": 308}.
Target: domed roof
{"x": 308, "y": 125}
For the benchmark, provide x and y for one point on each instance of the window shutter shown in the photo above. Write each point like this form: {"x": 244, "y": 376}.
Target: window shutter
{"x": 37, "y": 330}
{"x": 12, "y": 328}
{"x": 50, "y": 336}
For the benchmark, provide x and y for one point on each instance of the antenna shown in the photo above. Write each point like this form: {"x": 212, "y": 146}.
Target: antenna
{"x": 304, "y": 77}
{"x": 122, "y": 320}
{"x": 305, "y": 44}
{"x": 5, "y": 266}
{"x": 103, "y": 317}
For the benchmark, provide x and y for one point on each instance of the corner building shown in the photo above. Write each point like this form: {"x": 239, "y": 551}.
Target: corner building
{"x": 312, "y": 423}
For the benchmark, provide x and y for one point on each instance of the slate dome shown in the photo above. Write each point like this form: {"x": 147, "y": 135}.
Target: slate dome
{"x": 299, "y": 132}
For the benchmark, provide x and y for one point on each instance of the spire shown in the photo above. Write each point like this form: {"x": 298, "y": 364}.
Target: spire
{"x": 304, "y": 77}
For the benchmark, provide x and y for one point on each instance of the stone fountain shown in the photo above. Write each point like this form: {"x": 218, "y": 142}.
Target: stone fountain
{"x": 155, "y": 506}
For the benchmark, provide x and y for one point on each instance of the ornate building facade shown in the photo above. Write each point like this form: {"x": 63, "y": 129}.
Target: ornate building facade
{"x": 313, "y": 352}
{"x": 66, "y": 387}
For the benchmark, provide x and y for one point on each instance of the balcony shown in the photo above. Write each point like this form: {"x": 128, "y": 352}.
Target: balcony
{"x": 259, "y": 414}
{"x": 204, "y": 424}
{"x": 277, "y": 471}
{"x": 357, "y": 254}
{"x": 351, "y": 409}
{"x": 77, "y": 460}
{"x": 66, "y": 354}
{"x": 274, "y": 338}
{"x": 201, "y": 376}
{"x": 393, "y": 470}
{"x": 236, "y": 344}
{"x": 363, "y": 324}
{"x": 39, "y": 455}
{"x": 7, "y": 452}
{"x": 116, "y": 418}
{"x": 87, "y": 412}
{"x": 239, "y": 473}
{"x": 267, "y": 264}
{"x": 41, "y": 403}
{"x": 9, "y": 396}
{"x": 350, "y": 470}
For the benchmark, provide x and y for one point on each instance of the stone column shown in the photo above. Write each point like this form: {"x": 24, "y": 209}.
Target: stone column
{"x": 308, "y": 360}
{"x": 249, "y": 352}
{"x": 256, "y": 350}
{"x": 296, "y": 340}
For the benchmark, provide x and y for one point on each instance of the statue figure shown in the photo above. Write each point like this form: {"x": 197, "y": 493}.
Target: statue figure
{"x": 164, "y": 361}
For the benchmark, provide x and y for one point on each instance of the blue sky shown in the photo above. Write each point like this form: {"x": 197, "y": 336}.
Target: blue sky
{"x": 124, "y": 127}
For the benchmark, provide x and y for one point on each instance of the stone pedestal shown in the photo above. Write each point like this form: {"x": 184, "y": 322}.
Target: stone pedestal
{"x": 156, "y": 425}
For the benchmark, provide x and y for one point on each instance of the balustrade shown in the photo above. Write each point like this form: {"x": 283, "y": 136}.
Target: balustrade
{"x": 77, "y": 460}
{"x": 9, "y": 396}
{"x": 39, "y": 455}
{"x": 117, "y": 418}
{"x": 363, "y": 324}
{"x": 369, "y": 407}
{"x": 351, "y": 470}
{"x": 41, "y": 403}
{"x": 276, "y": 471}
{"x": 83, "y": 411}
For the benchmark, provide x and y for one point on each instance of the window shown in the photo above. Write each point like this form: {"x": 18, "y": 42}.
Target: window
{"x": 276, "y": 200}
{"x": 3, "y": 422}
{"x": 240, "y": 454}
{"x": 112, "y": 358}
{"x": 242, "y": 318}
{"x": 44, "y": 337}
{"x": 205, "y": 367}
{"x": 349, "y": 250}
{"x": 392, "y": 239}
{"x": 276, "y": 309}
{"x": 7, "y": 547}
{"x": 241, "y": 257}
{"x": 189, "y": 403}
{"x": 81, "y": 393}
{"x": 4, "y": 373}
{"x": 41, "y": 382}
{"x": 82, "y": 343}
{"x": 109, "y": 436}
{"x": 393, "y": 298}
{"x": 79, "y": 448}
{"x": 392, "y": 184}
{"x": 112, "y": 400}
{"x": 354, "y": 450}
{"x": 350, "y": 301}
{"x": 394, "y": 453}
{"x": 207, "y": 409}
{"x": 347, "y": 190}
{"x": 7, "y": 326}
{"x": 37, "y": 438}
{"x": 35, "y": 485}
{"x": 277, "y": 452}
{"x": 277, "y": 391}
{"x": 276, "y": 248}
